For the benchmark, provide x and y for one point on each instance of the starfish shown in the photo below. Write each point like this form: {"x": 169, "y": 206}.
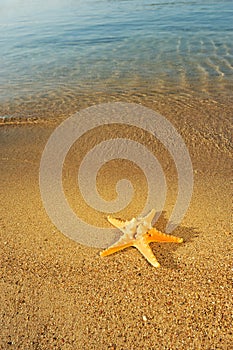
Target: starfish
{"x": 139, "y": 233}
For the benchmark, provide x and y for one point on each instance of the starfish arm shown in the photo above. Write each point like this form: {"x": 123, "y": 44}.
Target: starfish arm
{"x": 115, "y": 248}
{"x": 117, "y": 222}
{"x": 149, "y": 217}
{"x": 154, "y": 235}
{"x": 146, "y": 251}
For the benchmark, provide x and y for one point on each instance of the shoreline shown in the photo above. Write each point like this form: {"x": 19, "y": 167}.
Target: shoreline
{"x": 38, "y": 108}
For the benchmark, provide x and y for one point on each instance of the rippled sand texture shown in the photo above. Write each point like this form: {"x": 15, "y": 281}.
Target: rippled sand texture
{"x": 56, "y": 293}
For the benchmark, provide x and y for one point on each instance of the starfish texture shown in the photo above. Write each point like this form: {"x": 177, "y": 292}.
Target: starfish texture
{"x": 139, "y": 233}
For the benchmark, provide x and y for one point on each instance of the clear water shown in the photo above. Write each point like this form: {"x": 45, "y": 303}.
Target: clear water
{"x": 53, "y": 46}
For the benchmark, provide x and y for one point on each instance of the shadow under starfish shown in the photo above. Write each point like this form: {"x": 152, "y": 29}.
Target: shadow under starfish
{"x": 139, "y": 233}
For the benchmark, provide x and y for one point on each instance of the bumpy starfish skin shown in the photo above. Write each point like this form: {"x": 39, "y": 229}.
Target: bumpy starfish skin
{"x": 139, "y": 233}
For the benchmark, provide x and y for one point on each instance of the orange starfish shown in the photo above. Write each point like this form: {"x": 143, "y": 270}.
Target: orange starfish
{"x": 139, "y": 233}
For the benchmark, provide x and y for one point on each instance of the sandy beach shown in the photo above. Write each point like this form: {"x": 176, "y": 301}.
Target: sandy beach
{"x": 59, "y": 294}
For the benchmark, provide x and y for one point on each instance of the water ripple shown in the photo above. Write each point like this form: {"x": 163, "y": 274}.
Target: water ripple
{"x": 114, "y": 46}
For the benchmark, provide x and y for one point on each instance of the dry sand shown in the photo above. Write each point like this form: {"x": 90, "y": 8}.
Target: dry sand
{"x": 58, "y": 294}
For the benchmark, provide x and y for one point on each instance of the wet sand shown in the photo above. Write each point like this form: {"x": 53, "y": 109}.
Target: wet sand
{"x": 58, "y": 294}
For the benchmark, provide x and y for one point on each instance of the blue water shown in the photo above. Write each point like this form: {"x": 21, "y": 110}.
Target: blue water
{"x": 52, "y": 46}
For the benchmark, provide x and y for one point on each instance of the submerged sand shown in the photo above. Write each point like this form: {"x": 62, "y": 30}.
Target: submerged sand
{"x": 59, "y": 294}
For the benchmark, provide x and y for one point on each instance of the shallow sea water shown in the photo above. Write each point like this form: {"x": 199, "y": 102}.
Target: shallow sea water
{"x": 55, "y": 52}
